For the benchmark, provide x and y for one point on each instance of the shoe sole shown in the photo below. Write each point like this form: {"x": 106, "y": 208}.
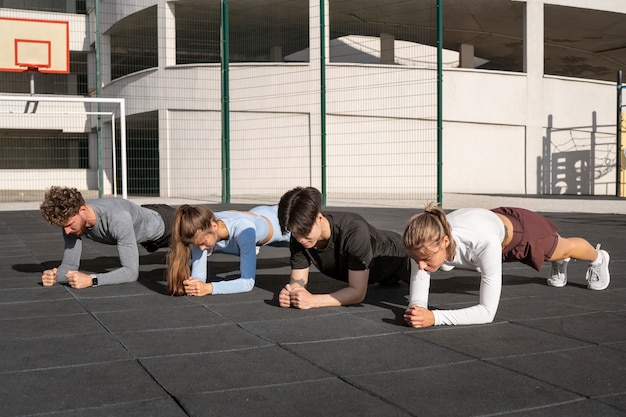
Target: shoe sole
{"x": 608, "y": 281}
{"x": 557, "y": 285}
{"x": 560, "y": 284}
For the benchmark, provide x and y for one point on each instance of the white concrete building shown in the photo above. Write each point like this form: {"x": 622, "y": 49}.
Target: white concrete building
{"x": 529, "y": 97}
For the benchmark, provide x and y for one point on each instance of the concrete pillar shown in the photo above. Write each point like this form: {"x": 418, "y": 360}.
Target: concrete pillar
{"x": 166, "y": 33}
{"x": 534, "y": 68}
{"x": 387, "y": 52}
{"x": 91, "y": 72}
{"x": 105, "y": 59}
{"x": 466, "y": 56}
{"x": 276, "y": 53}
{"x": 315, "y": 80}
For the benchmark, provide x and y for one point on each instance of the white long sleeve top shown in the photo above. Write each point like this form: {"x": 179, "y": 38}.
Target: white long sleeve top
{"x": 478, "y": 234}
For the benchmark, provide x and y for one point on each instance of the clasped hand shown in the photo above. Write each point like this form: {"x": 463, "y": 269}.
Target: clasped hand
{"x": 295, "y": 296}
{"x": 197, "y": 288}
{"x": 416, "y": 316}
{"x": 75, "y": 279}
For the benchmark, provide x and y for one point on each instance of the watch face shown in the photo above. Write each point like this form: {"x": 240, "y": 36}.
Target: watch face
{"x": 94, "y": 281}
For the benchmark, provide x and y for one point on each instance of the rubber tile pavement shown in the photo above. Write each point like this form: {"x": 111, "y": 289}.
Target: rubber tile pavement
{"x": 132, "y": 350}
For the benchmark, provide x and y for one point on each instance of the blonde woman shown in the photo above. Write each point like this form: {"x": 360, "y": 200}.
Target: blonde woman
{"x": 480, "y": 239}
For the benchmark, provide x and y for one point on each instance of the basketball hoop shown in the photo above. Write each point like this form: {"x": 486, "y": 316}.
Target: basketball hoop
{"x": 34, "y": 46}
{"x": 30, "y": 45}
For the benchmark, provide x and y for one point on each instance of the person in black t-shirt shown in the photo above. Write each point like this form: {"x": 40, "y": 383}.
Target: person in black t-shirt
{"x": 342, "y": 245}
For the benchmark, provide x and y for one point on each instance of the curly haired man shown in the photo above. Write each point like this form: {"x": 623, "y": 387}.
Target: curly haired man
{"x": 112, "y": 221}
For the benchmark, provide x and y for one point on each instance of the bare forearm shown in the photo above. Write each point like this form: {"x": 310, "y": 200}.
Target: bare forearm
{"x": 298, "y": 281}
{"x": 354, "y": 293}
{"x": 348, "y": 296}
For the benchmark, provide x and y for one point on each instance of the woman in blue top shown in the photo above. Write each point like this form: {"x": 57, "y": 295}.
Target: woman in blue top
{"x": 197, "y": 232}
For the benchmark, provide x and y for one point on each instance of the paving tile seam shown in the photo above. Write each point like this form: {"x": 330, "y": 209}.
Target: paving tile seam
{"x": 615, "y": 394}
{"x": 103, "y": 406}
{"x": 207, "y": 304}
{"x": 614, "y": 407}
{"x": 296, "y": 318}
{"x": 86, "y": 313}
{"x": 161, "y": 329}
{"x": 416, "y": 368}
{"x": 556, "y": 316}
{"x": 106, "y": 297}
{"x": 539, "y": 379}
{"x": 542, "y": 407}
{"x": 344, "y": 378}
{"x": 127, "y": 310}
{"x": 338, "y": 339}
{"x": 12, "y": 246}
{"x": 253, "y": 387}
{"x": 543, "y": 318}
{"x": 170, "y": 395}
{"x": 9, "y": 303}
{"x": 444, "y": 328}
{"x": 262, "y": 337}
{"x": 74, "y": 366}
{"x": 489, "y": 359}
{"x": 572, "y": 337}
{"x": 54, "y": 336}
{"x": 543, "y": 352}
{"x": 216, "y": 308}
{"x": 208, "y": 352}
{"x": 610, "y": 345}
{"x": 376, "y": 395}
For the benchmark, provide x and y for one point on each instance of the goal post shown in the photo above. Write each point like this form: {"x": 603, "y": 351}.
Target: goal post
{"x": 39, "y": 115}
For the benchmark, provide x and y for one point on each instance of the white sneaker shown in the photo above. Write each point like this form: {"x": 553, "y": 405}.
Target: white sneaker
{"x": 598, "y": 276}
{"x": 558, "y": 274}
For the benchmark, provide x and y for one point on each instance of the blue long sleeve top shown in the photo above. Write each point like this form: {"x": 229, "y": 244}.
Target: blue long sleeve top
{"x": 246, "y": 231}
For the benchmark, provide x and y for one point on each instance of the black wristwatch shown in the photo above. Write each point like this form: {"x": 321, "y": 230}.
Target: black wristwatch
{"x": 94, "y": 280}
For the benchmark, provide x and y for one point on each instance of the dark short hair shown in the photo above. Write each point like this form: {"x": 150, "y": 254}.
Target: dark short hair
{"x": 298, "y": 209}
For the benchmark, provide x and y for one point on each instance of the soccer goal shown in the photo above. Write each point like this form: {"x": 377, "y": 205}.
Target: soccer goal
{"x": 49, "y": 141}
{"x": 54, "y": 140}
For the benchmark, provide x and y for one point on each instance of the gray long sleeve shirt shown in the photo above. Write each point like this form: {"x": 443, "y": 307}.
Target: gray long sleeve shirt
{"x": 118, "y": 222}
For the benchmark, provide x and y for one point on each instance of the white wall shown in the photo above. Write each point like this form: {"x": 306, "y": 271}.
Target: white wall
{"x": 373, "y": 108}
{"x": 486, "y": 145}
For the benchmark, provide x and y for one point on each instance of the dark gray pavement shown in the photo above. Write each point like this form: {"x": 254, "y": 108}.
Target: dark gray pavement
{"x": 131, "y": 350}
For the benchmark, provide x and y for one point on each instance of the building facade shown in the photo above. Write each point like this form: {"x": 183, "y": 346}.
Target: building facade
{"x": 339, "y": 95}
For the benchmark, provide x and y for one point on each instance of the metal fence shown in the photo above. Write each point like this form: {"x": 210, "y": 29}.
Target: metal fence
{"x": 237, "y": 101}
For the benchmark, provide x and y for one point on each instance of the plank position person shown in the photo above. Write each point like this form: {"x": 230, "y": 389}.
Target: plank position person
{"x": 481, "y": 239}
{"x": 341, "y": 245}
{"x": 198, "y": 231}
{"x": 112, "y": 221}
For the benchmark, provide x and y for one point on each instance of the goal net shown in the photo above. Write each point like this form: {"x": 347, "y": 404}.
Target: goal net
{"x": 76, "y": 142}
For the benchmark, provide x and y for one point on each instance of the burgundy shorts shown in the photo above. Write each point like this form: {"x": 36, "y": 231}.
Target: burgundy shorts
{"x": 534, "y": 237}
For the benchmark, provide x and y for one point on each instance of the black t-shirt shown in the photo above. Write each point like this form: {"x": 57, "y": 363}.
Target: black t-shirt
{"x": 356, "y": 245}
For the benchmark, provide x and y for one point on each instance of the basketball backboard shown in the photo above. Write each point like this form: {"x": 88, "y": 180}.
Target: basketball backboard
{"x": 34, "y": 45}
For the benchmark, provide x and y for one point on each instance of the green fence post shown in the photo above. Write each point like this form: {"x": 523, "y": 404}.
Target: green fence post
{"x": 225, "y": 105}
{"x": 323, "y": 96}
{"x": 439, "y": 104}
{"x": 99, "y": 94}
